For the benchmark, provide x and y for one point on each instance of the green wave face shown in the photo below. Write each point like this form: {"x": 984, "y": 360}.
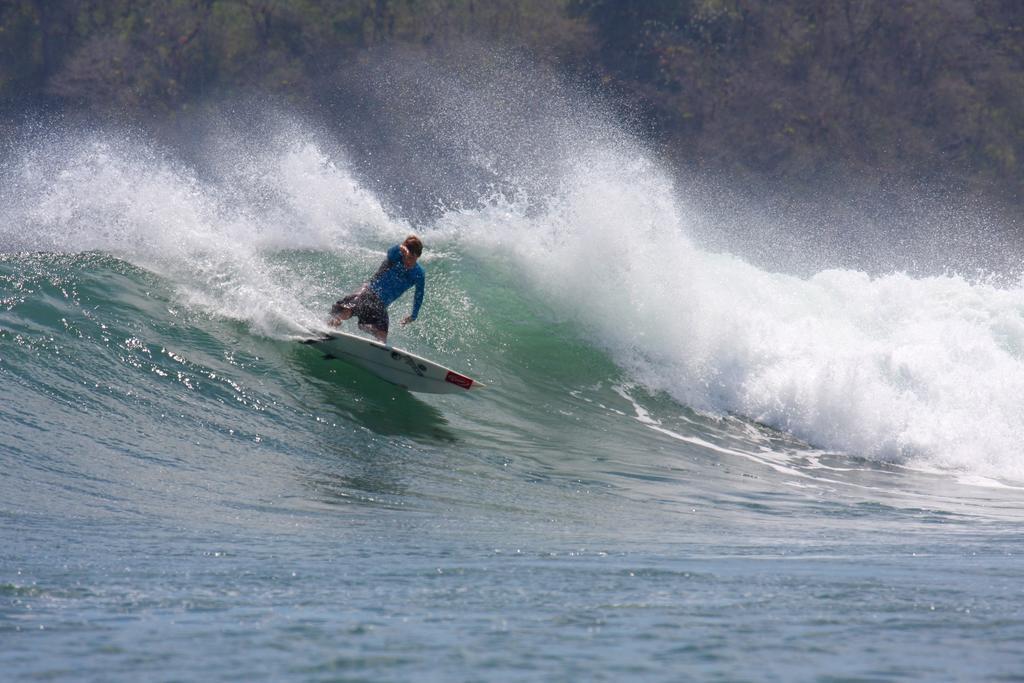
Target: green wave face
{"x": 164, "y": 299}
{"x": 128, "y": 397}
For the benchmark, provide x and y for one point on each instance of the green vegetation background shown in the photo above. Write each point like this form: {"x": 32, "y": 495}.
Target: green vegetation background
{"x": 776, "y": 90}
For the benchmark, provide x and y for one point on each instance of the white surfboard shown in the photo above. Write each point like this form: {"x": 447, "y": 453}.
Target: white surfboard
{"x": 397, "y": 366}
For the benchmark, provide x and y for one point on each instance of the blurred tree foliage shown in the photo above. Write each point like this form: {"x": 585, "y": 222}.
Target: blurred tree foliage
{"x": 795, "y": 87}
{"x": 787, "y": 89}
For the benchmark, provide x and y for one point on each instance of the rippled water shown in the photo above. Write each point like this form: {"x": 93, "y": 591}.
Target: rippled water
{"x": 682, "y": 468}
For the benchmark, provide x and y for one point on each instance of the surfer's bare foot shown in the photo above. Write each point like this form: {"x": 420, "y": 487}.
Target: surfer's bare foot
{"x": 335, "y": 321}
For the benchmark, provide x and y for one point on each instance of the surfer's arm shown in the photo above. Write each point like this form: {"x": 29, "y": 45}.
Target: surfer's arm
{"x": 416, "y": 302}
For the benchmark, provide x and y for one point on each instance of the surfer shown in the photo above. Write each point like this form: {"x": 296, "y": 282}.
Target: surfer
{"x": 370, "y": 303}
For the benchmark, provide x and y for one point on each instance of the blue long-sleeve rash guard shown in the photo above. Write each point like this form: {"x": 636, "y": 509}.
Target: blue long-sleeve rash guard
{"x": 392, "y": 279}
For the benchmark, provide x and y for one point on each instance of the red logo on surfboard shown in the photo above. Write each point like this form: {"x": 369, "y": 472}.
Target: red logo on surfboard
{"x": 458, "y": 380}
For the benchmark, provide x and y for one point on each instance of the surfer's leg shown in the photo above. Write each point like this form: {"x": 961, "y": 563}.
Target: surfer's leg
{"x": 340, "y": 317}
{"x": 342, "y": 310}
{"x": 379, "y": 334}
{"x": 373, "y": 318}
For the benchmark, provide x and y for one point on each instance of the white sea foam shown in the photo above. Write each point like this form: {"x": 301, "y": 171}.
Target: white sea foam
{"x": 921, "y": 371}
{"x": 210, "y": 236}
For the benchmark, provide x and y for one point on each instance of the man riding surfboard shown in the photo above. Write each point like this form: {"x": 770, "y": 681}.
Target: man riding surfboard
{"x": 396, "y": 274}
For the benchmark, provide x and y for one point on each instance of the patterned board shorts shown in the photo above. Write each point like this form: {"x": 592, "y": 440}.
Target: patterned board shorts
{"x": 366, "y": 306}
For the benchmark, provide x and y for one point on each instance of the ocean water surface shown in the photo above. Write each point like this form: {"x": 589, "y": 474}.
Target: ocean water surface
{"x": 684, "y": 466}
